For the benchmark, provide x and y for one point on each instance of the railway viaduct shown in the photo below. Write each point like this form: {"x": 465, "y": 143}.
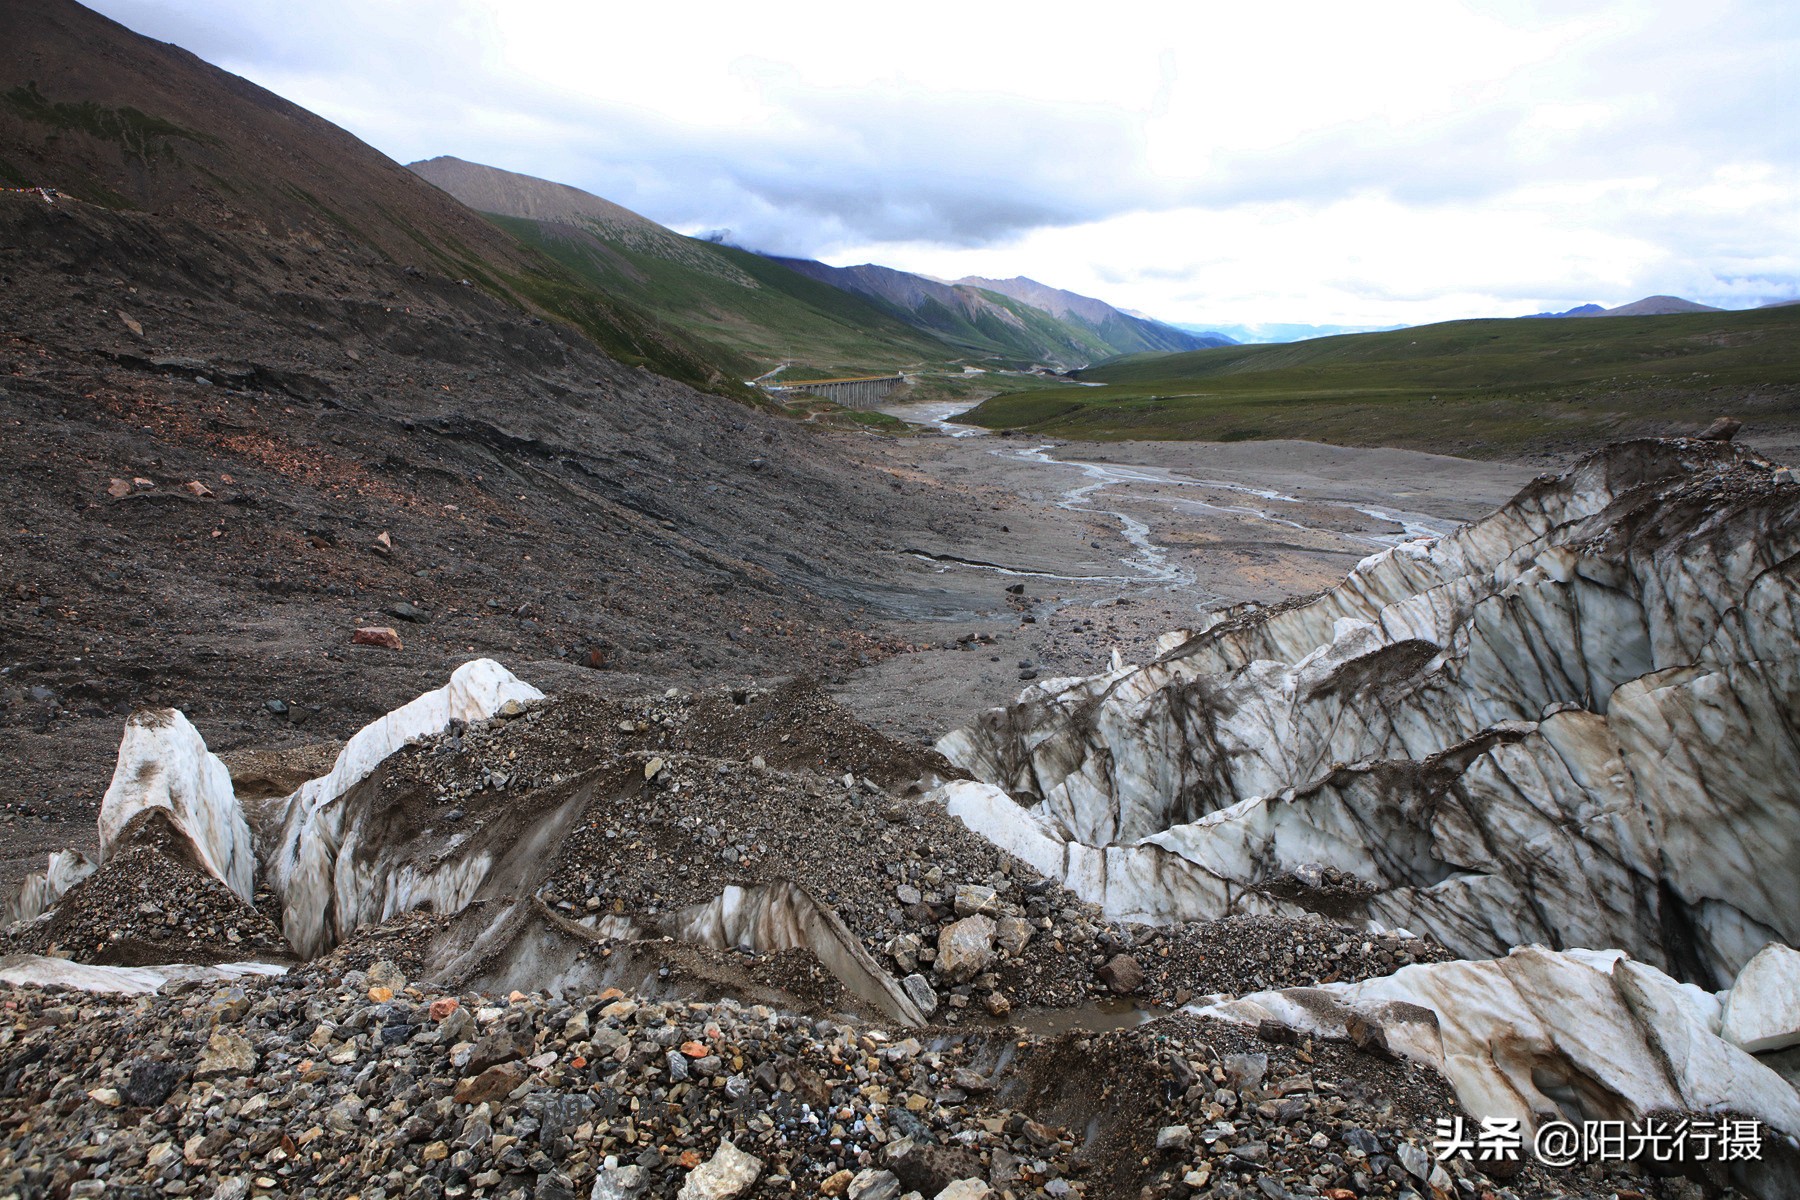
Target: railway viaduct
{"x": 863, "y": 391}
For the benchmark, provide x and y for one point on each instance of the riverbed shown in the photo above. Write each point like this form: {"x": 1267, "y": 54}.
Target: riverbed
{"x": 1096, "y": 549}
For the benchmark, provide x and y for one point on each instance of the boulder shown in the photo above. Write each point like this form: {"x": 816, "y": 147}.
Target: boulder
{"x": 965, "y": 948}
{"x": 1762, "y": 1010}
{"x": 729, "y": 1173}
{"x": 1582, "y": 1022}
{"x": 1122, "y": 975}
{"x": 385, "y": 637}
{"x": 226, "y": 1054}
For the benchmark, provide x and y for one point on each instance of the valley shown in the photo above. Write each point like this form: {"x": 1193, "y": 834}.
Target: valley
{"x": 470, "y": 735}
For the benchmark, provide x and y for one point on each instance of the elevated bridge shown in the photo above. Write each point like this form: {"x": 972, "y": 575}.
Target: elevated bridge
{"x": 861, "y": 391}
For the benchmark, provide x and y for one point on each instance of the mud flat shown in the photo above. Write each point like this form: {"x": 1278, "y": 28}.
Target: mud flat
{"x": 1114, "y": 543}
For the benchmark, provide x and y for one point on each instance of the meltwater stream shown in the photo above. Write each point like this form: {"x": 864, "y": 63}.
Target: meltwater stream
{"x": 1150, "y": 564}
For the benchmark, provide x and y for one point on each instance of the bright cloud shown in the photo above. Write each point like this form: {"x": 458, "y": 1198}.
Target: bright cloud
{"x": 1405, "y": 161}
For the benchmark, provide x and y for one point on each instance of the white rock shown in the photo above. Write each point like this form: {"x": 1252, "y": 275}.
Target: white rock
{"x": 328, "y": 880}
{"x": 42, "y": 889}
{"x": 1548, "y": 726}
{"x": 40, "y": 971}
{"x": 164, "y": 763}
{"x": 1581, "y": 1023}
{"x": 726, "y": 1175}
{"x": 966, "y": 1189}
{"x": 785, "y": 916}
{"x": 1762, "y": 1010}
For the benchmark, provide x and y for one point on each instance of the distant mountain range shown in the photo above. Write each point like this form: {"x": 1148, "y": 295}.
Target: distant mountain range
{"x": 1014, "y": 318}
{"x": 1649, "y": 306}
{"x": 764, "y": 310}
{"x": 1274, "y": 331}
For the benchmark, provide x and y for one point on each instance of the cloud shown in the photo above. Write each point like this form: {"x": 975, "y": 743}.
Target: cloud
{"x": 1310, "y": 161}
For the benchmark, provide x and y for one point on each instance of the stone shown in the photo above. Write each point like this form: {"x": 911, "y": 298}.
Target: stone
{"x": 874, "y": 1184}
{"x": 1416, "y": 1161}
{"x": 729, "y": 1173}
{"x": 407, "y": 611}
{"x": 907, "y": 895}
{"x": 921, "y": 993}
{"x": 1762, "y": 1010}
{"x": 502, "y": 1046}
{"x": 929, "y": 1169}
{"x": 1175, "y": 1138}
{"x": 493, "y": 1084}
{"x": 119, "y": 488}
{"x": 1013, "y": 934}
{"x": 835, "y": 1184}
{"x": 148, "y": 1082}
{"x": 226, "y": 1054}
{"x": 382, "y": 636}
{"x": 194, "y": 487}
{"x": 442, "y": 1007}
{"x": 1723, "y": 429}
{"x": 620, "y": 1183}
{"x": 1245, "y": 1071}
{"x": 965, "y": 948}
{"x": 1122, "y": 975}
{"x": 966, "y": 1189}
{"x": 973, "y": 898}
{"x": 383, "y": 544}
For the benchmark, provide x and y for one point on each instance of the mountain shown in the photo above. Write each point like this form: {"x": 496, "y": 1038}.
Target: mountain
{"x": 1649, "y": 306}
{"x": 1129, "y": 333}
{"x": 261, "y": 387}
{"x": 1275, "y": 331}
{"x": 158, "y": 130}
{"x": 1654, "y": 306}
{"x": 981, "y": 318}
{"x": 1580, "y": 310}
{"x": 754, "y": 313}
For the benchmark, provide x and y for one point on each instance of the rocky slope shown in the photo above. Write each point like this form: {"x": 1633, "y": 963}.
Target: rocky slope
{"x": 716, "y": 919}
{"x": 245, "y": 412}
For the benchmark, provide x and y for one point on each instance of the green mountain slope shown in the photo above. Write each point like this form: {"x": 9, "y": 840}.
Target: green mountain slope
{"x": 754, "y": 313}
{"x": 1482, "y": 387}
{"x": 1018, "y": 322}
{"x": 120, "y": 121}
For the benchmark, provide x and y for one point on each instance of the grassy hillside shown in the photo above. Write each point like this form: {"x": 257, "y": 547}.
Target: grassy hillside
{"x": 1494, "y": 388}
{"x": 753, "y": 313}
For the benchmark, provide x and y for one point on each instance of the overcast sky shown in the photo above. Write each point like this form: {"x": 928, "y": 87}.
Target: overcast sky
{"x": 1375, "y": 163}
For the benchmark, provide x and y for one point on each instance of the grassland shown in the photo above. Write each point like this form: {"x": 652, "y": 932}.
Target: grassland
{"x": 751, "y": 313}
{"x": 1483, "y": 388}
